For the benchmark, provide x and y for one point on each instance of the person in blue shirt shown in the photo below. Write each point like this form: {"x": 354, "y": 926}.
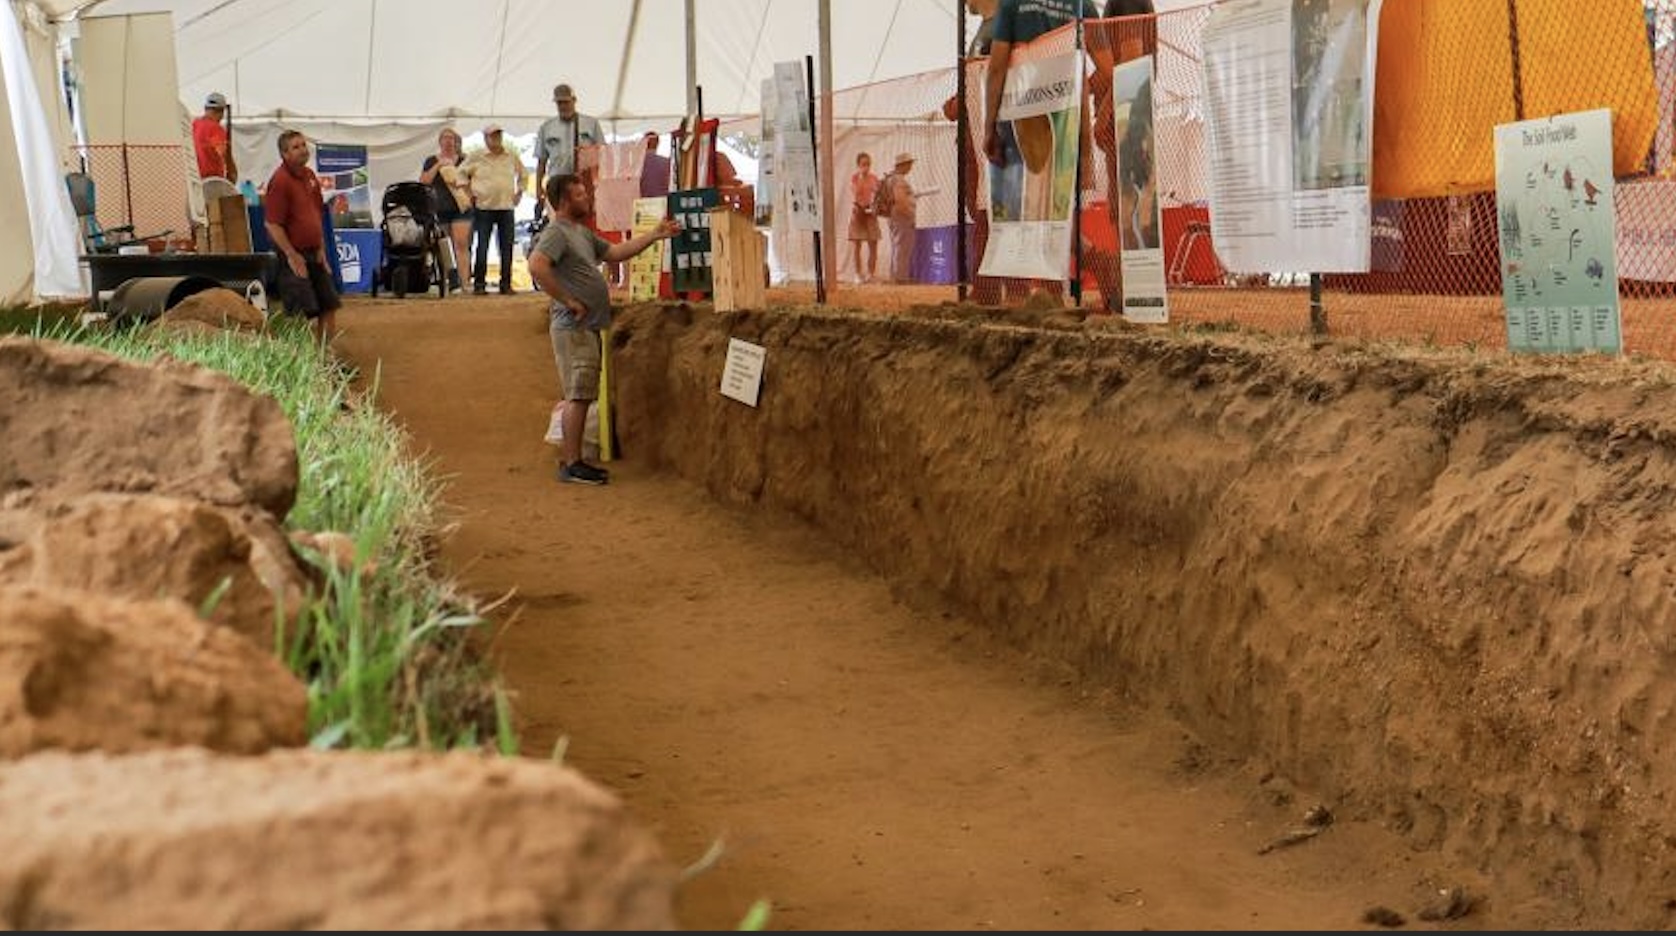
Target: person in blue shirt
{"x": 1019, "y": 21}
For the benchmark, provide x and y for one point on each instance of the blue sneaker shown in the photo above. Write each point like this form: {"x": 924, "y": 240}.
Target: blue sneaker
{"x": 583, "y": 473}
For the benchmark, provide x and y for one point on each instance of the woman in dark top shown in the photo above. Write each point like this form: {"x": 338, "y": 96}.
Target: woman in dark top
{"x": 453, "y": 196}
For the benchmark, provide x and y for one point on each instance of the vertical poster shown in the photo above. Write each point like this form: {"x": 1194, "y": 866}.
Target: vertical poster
{"x": 1554, "y": 206}
{"x": 344, "y": 184}
{"x": 1288, "y": 86}
{"x": 647, "y": 266}
{"x": 765, "y": 168}
{"x": 1138, "y": 217}
{"x": 690, "y": 266}
{"x": 796, "y": 146}
{"x": 1032, "y": 192}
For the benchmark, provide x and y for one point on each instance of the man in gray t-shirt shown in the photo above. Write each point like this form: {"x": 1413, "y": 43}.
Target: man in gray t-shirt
{"x": 565, "y": 265}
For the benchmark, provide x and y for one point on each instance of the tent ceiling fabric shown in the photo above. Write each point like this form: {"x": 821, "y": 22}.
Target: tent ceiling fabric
{"x": 394, "y": 60}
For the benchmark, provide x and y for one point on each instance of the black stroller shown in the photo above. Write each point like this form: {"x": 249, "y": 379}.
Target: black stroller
{"x": 414, "y": 241}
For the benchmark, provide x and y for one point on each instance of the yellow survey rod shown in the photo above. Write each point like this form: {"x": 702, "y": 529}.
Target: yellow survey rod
{"x": 605, "y": 433}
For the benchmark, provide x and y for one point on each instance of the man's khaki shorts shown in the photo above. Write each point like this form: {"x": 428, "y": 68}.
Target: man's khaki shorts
{"x": 577, "y": 353}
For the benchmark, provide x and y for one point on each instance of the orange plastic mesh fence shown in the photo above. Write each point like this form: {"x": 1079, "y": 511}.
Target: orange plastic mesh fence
{"x": 1449, "y": 71}
{"x": 145, "y": 186}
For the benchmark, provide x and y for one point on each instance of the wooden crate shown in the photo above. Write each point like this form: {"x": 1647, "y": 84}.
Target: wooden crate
{"x": 738, "y": 259}
{"x": 229, "y": 225}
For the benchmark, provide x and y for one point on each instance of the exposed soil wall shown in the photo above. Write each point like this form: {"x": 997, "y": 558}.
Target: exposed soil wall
{"x": 1434, "y": 588}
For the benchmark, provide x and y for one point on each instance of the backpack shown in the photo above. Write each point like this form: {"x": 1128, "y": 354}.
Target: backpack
{"x": 883, "y": 196}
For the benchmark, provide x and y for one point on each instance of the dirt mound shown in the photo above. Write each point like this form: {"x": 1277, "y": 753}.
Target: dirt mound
{"x": 76, "y": 420}
{"x": 1430, "y": 587}
{"x": 293, "y": 840}
{"x": 121, "y": 482}
{"x": 237, "y": 565}
{"x": 84, "y": 672}
{"x": 218, "y": 308}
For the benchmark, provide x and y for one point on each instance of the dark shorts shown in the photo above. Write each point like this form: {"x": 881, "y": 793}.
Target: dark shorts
{"x": 449, "y": 217}
{"x": 312, "y": 297}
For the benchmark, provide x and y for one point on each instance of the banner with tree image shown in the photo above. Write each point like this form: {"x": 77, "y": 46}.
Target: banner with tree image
{"x": 1136, "y": 213}
{"x": 1288, "y": 89}
{"x": 1032, "y": 192}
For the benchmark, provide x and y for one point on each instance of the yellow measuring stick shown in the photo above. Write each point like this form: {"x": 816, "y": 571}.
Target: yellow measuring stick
{"x": 605, "y": 452}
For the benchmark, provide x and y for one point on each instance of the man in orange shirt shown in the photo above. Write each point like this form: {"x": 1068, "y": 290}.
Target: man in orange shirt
{"x": 209, "y": 138}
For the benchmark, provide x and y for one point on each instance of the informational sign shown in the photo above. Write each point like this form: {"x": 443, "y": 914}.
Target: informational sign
{"x": 647, "y": 266}
{"x": 344, "y": 184}
{"x": 765, "y": 167}
{"x": 1288, "y": 86}
{"x": 1554, "y": 206}
{"x": 795, "y": 146}
{"x": 1138, "y": 218}
{"x": 690, "y": 267}
{"x": 742, "y": 375}
{"x": 1031, "y": 193}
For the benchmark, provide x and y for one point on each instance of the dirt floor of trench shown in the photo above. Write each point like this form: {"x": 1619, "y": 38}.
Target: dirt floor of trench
{"x": 866, "y": 759}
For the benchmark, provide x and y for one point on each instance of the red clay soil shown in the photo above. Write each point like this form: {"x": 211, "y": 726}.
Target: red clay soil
{"x": 867, "y": 760}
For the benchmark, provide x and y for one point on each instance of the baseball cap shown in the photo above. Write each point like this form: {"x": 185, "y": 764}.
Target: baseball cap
{"x": 904, "y": 158}
{"x": 492, "y": 128}
{"x": 563, "y": 93}
{"x": 216, "y": 99}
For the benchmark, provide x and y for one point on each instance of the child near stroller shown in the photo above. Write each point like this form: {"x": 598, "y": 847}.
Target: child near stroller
{"x": 414, "y": 241}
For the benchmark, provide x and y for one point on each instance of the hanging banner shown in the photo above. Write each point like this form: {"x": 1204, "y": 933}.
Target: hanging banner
{"x": 765, "y": 168}
{"x": 647, "y": 266}
{"x": 1288, "y": 86}
{"x": 1139, "y": 219}
{"x": 344, "y": 184}
{"x": 1032, "y": 192}
{"x": 795, "y": 146}
{"x": 1554, "y": 203}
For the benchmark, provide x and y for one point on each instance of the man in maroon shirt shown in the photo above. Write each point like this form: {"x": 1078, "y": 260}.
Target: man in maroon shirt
{"x": 294, "y": 219}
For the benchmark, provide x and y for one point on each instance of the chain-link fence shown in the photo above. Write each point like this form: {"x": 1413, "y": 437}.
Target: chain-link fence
{"x": 143, "y": 186}
{"x": 1448, "y": 72}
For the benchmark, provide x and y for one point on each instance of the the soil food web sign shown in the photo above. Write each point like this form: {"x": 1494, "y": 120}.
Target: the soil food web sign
{"x": 1558, "y": 233}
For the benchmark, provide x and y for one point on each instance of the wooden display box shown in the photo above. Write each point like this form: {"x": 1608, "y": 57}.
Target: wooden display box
{"x": 738, "y": 257}
{"x": 229, "y": 225}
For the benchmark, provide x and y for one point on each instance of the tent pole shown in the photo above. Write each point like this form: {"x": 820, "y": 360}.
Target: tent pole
{"x": 623, "y": 66}
{"x": 963, "y": 155}
{"x": 372, "y": 30}
{"x": 692, "y": 57}
{"x": 820, "y": 263}
{"x": 829, "y": 224}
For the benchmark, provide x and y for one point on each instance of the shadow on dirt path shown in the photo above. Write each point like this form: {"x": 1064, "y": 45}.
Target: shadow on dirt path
{"x": 866, "y": 764}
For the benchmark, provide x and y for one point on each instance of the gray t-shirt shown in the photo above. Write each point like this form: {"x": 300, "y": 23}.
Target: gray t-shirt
{"x": 576, "y": 253}
{"x": 554, "y": 140}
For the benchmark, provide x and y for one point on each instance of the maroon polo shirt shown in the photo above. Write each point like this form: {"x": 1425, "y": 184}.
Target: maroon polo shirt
{"x": 292, "y": 201}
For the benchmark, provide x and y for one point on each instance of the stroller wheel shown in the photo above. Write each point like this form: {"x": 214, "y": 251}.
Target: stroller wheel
{"x": 398, "y": 282}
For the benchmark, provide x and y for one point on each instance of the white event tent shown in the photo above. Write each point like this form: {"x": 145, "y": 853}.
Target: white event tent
{"x": 388, "y": 73}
